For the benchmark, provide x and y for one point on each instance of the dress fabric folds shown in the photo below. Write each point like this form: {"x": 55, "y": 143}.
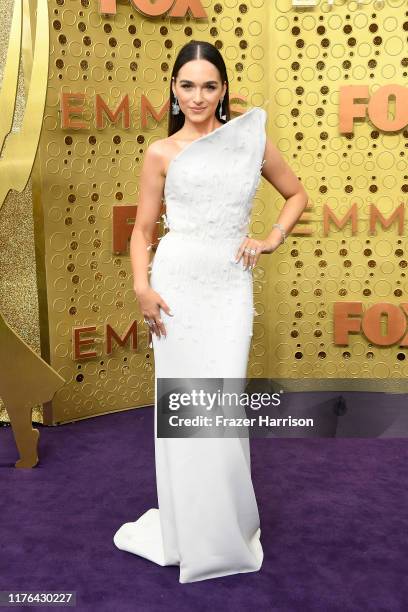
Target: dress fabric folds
{"x": 207, "y": 522}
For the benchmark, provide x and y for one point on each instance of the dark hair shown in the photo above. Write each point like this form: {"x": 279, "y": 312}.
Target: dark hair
{"x": 197, "y": 49}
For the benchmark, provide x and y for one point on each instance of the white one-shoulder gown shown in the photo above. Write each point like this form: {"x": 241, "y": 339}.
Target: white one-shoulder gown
{"x": 207, "y": 521}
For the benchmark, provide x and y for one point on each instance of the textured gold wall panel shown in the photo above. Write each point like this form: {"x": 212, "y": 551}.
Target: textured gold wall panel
{"x": 313, "y": 53}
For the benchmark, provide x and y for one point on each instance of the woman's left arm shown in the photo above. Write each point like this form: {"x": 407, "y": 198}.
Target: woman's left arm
{"x": 281, "y": 176}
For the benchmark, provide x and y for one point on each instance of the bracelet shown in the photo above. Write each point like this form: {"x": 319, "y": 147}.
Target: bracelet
{"x": 282, "y": 230}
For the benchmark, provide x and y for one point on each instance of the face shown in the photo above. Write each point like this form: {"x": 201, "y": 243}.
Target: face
{"x": 198, "y": 86}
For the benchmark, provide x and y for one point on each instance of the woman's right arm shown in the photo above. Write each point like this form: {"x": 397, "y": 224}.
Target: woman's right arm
{"x": 151, "y": 187}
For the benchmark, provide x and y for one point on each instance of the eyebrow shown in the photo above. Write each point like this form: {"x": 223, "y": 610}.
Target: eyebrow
{"x": 206, "y": 83}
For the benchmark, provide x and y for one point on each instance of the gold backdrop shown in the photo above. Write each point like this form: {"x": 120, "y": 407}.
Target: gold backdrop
{"x": 290, "y": 61}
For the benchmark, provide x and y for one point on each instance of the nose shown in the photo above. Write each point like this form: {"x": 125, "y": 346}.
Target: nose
{"x": 197, "y": 98}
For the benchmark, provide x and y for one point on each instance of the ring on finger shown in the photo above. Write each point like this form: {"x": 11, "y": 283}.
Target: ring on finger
{"x": 154, "y": 327}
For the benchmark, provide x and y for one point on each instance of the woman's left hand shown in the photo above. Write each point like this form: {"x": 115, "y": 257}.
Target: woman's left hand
{"x": 250, "y": 251}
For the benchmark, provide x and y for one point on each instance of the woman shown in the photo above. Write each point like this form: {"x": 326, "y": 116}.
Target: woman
{"x": 199, "y": 305}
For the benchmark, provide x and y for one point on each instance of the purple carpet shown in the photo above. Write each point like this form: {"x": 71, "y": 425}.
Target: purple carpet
{"x": 333, "y": 514}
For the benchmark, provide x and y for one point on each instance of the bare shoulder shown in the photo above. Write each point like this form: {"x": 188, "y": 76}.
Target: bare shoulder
{"x": 155, "y": 156}
{"x": 156, "y": 150}
{"x": 162, "y": 151}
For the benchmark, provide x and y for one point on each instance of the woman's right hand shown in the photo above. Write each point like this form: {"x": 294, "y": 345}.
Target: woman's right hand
{"x": 150, "y": 303}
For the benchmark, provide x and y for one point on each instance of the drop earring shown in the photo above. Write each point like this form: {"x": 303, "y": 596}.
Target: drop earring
{"x": 175, "y": 107}
{"x": 224, "y": 117}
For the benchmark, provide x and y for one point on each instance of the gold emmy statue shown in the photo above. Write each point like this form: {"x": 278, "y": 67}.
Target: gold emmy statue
{"x": 25, "y": 378}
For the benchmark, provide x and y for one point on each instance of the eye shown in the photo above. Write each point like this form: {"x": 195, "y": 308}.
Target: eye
{"x": 187, "y": 86}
